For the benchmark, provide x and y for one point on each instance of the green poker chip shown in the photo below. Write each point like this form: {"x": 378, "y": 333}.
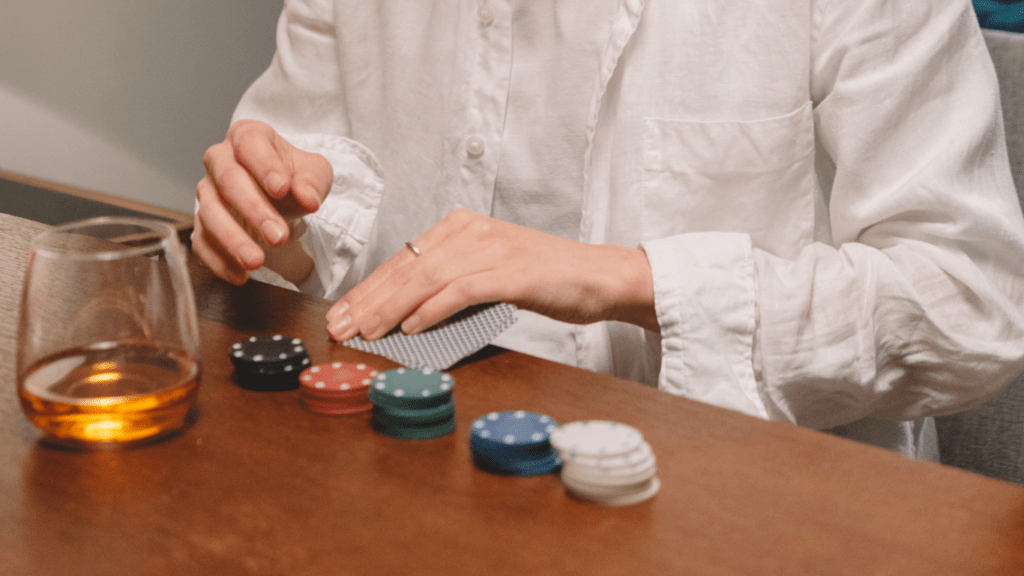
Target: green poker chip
{"x": 413, "y": 417}
{"x": 416, "y": 432}
{"x": 410, "y": 388}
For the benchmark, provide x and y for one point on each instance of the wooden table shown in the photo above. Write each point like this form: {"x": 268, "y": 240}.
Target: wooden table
{"x": 258, "y": 485}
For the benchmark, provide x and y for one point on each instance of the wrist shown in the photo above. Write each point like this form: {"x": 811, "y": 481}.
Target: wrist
{"x": 630, "y": 287}
{"x": 290, "y": 259}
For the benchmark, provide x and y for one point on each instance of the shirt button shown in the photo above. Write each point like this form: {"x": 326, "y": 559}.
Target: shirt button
{"x": 486, "y": 15}
{"x": 475, "y": 146}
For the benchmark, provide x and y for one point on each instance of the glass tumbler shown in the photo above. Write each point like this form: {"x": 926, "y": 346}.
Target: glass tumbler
{"x": 108, "y": 339}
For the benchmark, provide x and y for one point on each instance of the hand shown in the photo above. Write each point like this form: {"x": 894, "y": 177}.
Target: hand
{"x": 469, "y": 259}
{"x": 256, "y": 185}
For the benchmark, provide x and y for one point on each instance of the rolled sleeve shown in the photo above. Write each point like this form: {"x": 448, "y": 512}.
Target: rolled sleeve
{"x": 704, "y": 292}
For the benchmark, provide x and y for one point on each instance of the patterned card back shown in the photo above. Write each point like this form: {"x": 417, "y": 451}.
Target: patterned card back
{"x": 447, "y": 342}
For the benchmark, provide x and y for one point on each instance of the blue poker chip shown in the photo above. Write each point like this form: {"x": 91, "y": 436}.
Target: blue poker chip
{"x": 543, "y": 464}
{"x": 501, "y": 452}
{"x": 515, "y": 443}
{"x": 513, "y": 431}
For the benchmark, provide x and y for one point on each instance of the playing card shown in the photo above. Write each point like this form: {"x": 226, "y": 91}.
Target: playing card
{"x": 447, "y": 342}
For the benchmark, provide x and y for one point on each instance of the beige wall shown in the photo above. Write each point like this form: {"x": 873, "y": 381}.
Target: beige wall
{"x": 123, "y": 96}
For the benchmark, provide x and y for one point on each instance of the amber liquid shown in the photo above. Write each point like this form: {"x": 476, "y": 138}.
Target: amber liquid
{"x": 110, "y": 394}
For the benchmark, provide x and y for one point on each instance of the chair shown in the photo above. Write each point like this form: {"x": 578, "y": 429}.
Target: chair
{"x": 989, "y": 439}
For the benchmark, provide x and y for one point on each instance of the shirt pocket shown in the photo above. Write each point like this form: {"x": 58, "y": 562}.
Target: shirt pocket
{"x": 754, "y": 176}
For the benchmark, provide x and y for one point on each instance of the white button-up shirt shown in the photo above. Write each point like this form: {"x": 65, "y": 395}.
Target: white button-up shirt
{"x": 821, "y": 188}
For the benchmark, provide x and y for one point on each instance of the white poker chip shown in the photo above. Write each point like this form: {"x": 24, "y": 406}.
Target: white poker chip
{"x": 605, "y": 491}
{"x": 618, "y": 477}
{"x": 642, "y": 492}
{"x": 603, "y": 471}
{"x": 595, "y": 438}
{"x": 627, "y": 460}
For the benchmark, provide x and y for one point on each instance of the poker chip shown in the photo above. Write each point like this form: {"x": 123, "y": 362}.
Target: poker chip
{"x": 411, "y": 417}
{"x": 606, "y": 462}
{"x": 637, "y": 457}
{"x": 595, "y": 438}
{"x": 337, "y": 380}
{"x": 335, "y": 408}
{"x": 532, "y": 467}
{"x": 404, "y": 388}
{"x": 268, "y": 363}
{"x": 435, "y": 430}
{"x": 413, "y": 404}
{"x": 267, "y": 351}
{"x": 337, "y": 387}
{"x": 612, "y": 477}
{"x": 515, "y": 443}
{"x": 636, "y": 495}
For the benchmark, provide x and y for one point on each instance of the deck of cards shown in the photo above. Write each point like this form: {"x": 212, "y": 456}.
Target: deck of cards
{"x": 441, "y": 346}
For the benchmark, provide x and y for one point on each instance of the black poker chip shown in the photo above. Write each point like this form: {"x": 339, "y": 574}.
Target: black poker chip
{"x": 269, "y": 363}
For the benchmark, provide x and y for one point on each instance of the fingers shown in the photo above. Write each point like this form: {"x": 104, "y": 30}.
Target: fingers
{"x": 221, "y": 234}
{"x": 280, "y": 168}
{"x": 237, "y": 187}
{"x": 454, "y": 297}
{"x": 358, "y": 312}
{"x": 256, "y": 183}
{"x": 311, "y": 181}
{"x": 255, "y": 147}
{"x": 209, "y": 248}
{"x": 456, "y": 270}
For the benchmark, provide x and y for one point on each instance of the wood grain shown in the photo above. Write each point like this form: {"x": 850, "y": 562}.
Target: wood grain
{"x": 258, "y": 485}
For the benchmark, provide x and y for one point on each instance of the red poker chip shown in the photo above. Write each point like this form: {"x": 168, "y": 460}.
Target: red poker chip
{"x": 336, "y": 407}
{"x": 332, "y": 402}
{"x": 336, "y": 380}
{"x": 327, "y": 395}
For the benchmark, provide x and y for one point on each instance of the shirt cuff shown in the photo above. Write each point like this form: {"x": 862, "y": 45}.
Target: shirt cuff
{"x": 339, "y": 230}
{"x": 704, "y": 294}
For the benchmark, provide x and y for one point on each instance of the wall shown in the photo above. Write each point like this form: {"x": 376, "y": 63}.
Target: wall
{"x": 123, "y": 96}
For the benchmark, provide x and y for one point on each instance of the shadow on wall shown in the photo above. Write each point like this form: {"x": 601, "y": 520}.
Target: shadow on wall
{"x": 124, "y": 97}
{"x": 41, "y": 142}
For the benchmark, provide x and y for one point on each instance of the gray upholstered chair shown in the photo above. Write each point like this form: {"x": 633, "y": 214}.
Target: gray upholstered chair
{"x": 989, "y": 439}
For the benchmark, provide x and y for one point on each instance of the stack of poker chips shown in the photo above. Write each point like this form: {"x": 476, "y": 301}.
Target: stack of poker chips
{"x": 269, "y": 363}
{"x": 413, "y": 404}
{"x": 514, "y": 443}
{"x": 606, "y": 462}
{"x": 337, "y": 388}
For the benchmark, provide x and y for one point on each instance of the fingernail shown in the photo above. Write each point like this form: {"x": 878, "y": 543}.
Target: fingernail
{"x": 272, "y": 231}
{"x": 412, "y": 324}
{"x": 249, "y": 257}
{"x": 339, "y": 308}
{"x": 274, "y": 181}
{"x": 314, "y": 197}
{"x": 340, "y": 327}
